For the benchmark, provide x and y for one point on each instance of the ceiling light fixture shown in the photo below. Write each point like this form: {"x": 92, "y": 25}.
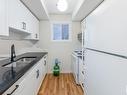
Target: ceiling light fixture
{"x": 62, "y": 5}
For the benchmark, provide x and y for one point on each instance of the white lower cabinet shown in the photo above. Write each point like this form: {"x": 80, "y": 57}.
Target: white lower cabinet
{"x": 29, "y": 83}
{"x": 81, "y": 74}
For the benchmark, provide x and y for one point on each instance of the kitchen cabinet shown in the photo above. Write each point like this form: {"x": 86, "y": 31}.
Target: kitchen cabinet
{"x": 75, "y": 66}
{"x": 33, "y": 82}
{"x": 21, "y": 19}
{"x": 81, "y": 74}
{"x": 35, "y": 30}
{"x": 29, "y": 83}
{"x": 41, "y": 72}
{"x": 3, "y": 20}
{"x": 17, "y": 15}
{"x": 26, "y": 85}
{"x": 34, "y": 27}
{"x": 45, "y": 64}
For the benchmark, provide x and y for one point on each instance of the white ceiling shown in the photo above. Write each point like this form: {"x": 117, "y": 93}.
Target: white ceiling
{"x": 37, "y": 8}
{"x": 52, "y": 9}
{"x": 79, "y": 9}
{"x": 86, "y": 7}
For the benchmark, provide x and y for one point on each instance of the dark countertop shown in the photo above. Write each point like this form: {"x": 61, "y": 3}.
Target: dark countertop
{"x": 6, "y": 79}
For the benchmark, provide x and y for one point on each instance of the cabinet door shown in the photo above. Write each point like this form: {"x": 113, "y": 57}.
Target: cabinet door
{"x": 81, "y": 72}
{"x": 3, "y": 18}
{"x": 45, "y": 64}
{"x": 26, "y": 15}
{"x": 14, "y": 11}
{"x": 39, "y": 79}
{"x": 33, "y": 25}
{"x": 42, "y": 67}
{"x": 35, "y": 28}
{"x": 34, "y": 80}
{"x": 36, "y": 34}
{"x": 29, "y": 85}
{"x": 17, "y": 88}
{"x": 17, "y": 13}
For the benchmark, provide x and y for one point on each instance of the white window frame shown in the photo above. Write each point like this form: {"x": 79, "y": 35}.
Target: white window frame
{"x": 62, "y": 22}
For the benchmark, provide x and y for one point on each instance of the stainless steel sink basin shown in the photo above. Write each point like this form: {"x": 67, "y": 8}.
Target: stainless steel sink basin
{"x": 26, "y": 60}
{"x": 22, "y": 62}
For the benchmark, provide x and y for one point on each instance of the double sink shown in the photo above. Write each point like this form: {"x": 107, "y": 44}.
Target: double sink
{"x": 21, "y": 62}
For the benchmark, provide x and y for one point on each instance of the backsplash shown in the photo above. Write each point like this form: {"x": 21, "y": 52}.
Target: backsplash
{"x": 19, "y": 44}
{"x": 18, "y": 39}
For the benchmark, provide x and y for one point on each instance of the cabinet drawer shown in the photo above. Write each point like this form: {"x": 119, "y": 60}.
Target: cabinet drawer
{"x": 15, "y": 89}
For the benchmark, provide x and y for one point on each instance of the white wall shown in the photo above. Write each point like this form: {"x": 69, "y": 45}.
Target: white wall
{"x": 60, "y": 50}
{"x": 107, "y": 30}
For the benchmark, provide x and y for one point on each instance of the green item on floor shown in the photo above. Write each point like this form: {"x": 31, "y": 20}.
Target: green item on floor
{"x": 56, "y": 68}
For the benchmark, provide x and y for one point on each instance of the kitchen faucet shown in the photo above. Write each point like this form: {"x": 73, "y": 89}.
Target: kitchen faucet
{"x": 13, "y": 55}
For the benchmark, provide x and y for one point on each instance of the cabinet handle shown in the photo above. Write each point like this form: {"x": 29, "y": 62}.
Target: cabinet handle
{"x": 36, "y": 36}
{"x": 77, "y": 75}
{"x": 83, "y": 72}
{"x": 37, "y": 74}
{"x": 24, "y": 25}
{"x": 16, "y": 87}
{"x": 83, "y": 85}
{"x": 45, "y": 62}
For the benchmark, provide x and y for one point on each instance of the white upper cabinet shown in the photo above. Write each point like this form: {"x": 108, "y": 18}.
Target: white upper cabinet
{"x": 24, "y": 20}
{"x": 3, "y": 20}
{"x": 34, "y": 27}
{"x": 19, "y": 18}
{"x": 18, "y": 15}
{"x": 35, "y": 30}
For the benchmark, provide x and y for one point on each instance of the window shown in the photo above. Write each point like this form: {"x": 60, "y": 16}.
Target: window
{"x": 61, "y": 31}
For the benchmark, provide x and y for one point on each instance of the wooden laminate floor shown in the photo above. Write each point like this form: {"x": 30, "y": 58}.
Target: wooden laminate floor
{"x": 62, "y": 85}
